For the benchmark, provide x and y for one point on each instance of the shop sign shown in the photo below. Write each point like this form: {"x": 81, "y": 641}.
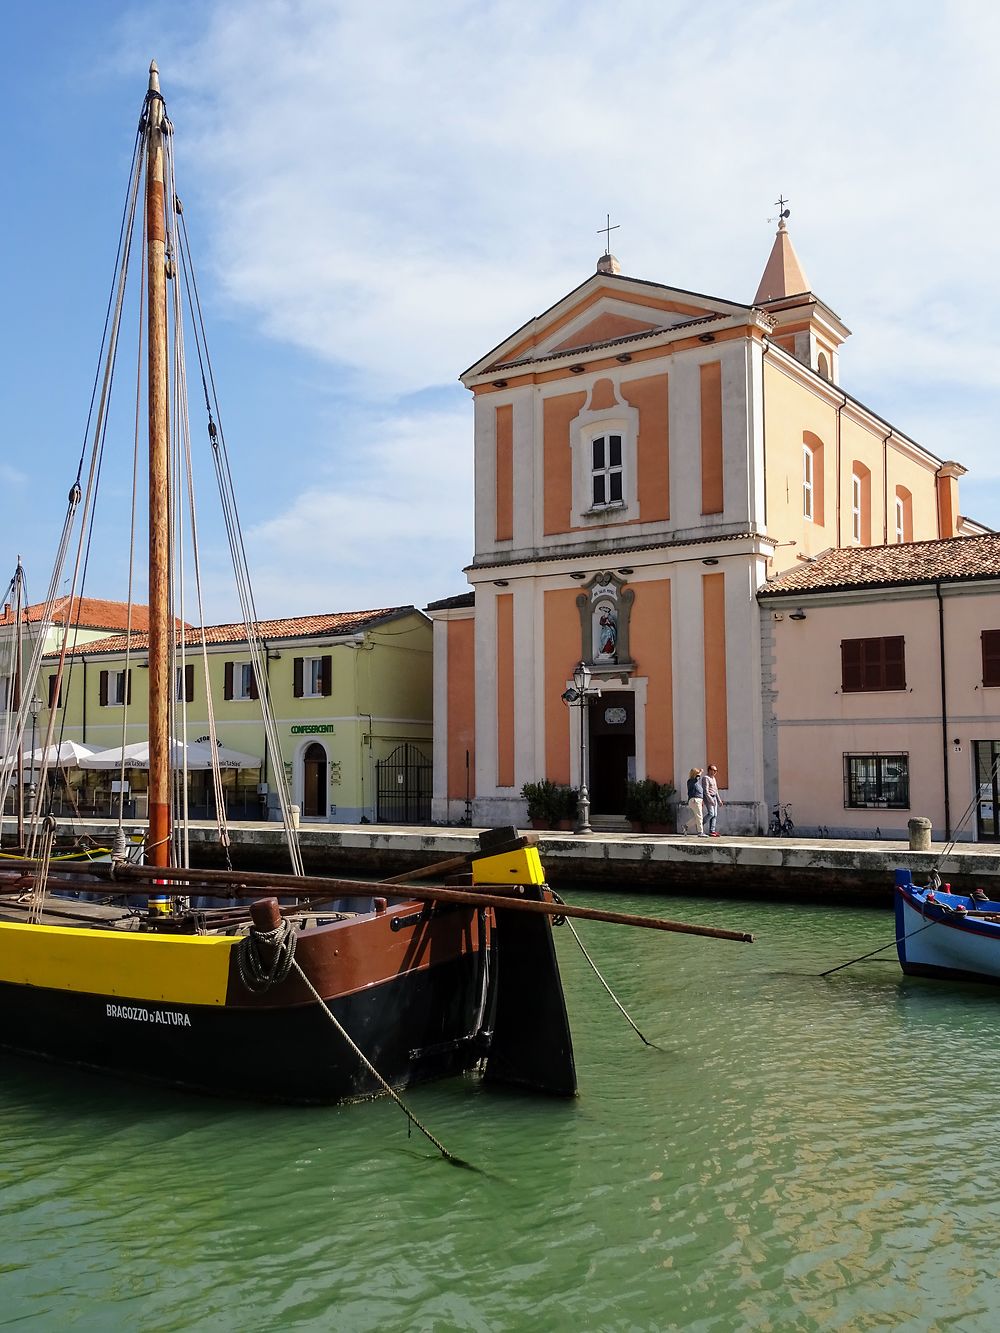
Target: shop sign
{"x": 313, "y": 729}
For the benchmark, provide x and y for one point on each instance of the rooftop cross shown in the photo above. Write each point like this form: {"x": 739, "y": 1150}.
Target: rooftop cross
{"x": 783, "y": 212}
{"x": 608, "y": 229}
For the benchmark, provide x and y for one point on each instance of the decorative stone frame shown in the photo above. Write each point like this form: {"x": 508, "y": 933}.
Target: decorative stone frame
{"x": 619, "y": 419}
{"x": 602, "y": 587}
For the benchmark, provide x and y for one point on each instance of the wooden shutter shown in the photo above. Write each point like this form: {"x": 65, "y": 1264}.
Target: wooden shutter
{"x": 128, "y": 686}
{"x": 894, "y": 660}
{"x": 227, "y": 689}
{"x": 297, "y": 688}
{"x": 104, "y": 689}
{"x": 327, "y": 675}
{"x": 254, "y": 688}
{"x": 55, "y": 692}
{"x": 850, "y": 665}
{"x": 188, "y": 682}
{"x": 991, "y": 656}
{"x": 16, "y": 697}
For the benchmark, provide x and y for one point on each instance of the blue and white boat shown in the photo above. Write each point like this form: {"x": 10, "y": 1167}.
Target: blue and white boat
{"x": 944, "y": 934}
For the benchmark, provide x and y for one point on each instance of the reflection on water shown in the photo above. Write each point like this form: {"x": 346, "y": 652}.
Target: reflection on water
{"x": 799, "y": 1153}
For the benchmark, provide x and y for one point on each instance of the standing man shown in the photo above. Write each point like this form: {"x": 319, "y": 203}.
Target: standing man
{"x": 696, "y": 793}
{"x": 712, "y": 800}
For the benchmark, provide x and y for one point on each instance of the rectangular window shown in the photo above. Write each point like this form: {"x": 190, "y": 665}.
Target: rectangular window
{"x": 184, "y": 684}
{"x": 240, "y": 681}
{"x": 876, "y": 781}
{"x": 991, "y": 656}
{"x": 312, "y": 677}
{"x": 873, "y": 664}
{"x": 115, "y": 688}
{"x": 607, "y": 471}
{"x": 807, "y": 482}
{"x": 856, "y": 507}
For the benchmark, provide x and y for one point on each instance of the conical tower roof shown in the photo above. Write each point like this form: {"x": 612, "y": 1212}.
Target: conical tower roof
{"x": 783, "y": 275}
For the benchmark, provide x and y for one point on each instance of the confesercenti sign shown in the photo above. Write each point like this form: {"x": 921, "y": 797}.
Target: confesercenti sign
{"x": 313, "y": 728}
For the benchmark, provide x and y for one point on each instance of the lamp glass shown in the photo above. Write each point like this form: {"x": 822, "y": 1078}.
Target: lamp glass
{"x": 581, "y": 677}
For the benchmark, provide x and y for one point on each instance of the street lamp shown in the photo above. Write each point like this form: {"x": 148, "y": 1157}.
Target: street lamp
{"x": 34, "y": 708}
{"x": 580, "y": 693}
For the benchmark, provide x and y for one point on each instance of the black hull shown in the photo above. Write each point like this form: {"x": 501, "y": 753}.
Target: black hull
{"x": 414, "y": 1028}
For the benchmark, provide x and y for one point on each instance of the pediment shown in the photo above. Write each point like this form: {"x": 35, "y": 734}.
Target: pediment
{"x": 603, "y": 309}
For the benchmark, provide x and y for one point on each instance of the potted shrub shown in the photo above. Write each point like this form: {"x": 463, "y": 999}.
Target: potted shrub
{"x": 649, "y": 806}
{"x": 550, "y": 805}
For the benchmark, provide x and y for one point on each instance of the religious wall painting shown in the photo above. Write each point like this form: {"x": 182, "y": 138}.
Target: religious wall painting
{"x": 605, "y": 605}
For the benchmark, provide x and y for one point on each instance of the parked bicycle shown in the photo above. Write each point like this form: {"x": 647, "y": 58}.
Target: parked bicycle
{"x": 781, "y": 825}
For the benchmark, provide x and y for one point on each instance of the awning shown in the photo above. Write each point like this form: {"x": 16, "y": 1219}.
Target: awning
{"x": 197, "y": 757}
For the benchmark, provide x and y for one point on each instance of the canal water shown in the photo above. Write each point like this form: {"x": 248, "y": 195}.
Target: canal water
{"x": 796, "y": 1153}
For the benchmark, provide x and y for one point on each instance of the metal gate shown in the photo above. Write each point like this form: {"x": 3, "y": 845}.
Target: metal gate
{"x": 403, "y": 787}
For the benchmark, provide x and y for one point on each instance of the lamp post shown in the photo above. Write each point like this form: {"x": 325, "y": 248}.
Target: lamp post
{"x": 34, "y": 708}
{"x": 580, "y": 693}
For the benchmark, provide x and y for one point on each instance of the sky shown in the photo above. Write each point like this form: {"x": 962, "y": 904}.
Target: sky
{"x": 378, "y": 193}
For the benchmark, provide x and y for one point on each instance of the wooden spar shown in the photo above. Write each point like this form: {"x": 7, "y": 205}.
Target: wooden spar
{"x": 310, "y": 886}
{"x": 19, "y": 687}
{"x": 160, "y": 618}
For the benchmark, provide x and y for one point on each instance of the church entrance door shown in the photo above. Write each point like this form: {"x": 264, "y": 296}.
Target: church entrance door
{"x": 612, "y": 751}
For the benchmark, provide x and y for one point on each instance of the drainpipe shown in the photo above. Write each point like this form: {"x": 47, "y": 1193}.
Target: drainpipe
{"x": 944, "y": 714}
{"x": 885, "y": 490}
{"x": 763, "y": 425}
{"x": 267, "y": 673}
{"x": 84, "y": 737}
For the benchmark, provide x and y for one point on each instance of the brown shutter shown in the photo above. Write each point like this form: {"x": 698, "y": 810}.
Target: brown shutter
{"x": 991, "y": 656}
{"x": 894, "y": 655}
{"x": 297, "y": 689}
{"x": 227, "y": 689}
{"x": 104, "y": 689}
{"x": 128, "y": 686}
{"x": 850, "y": 665}
{"x": 16, "y": 699}
{"x": 327, "y": 674}
{"x": 189, "y": 682}
{"x": 254, "y": 688}
{"x": 55, "y": 692}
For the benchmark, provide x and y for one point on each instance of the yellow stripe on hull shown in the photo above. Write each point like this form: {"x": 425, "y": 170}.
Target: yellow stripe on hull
{"x": 183, "y": 969}
{"x": 523, "y": 866}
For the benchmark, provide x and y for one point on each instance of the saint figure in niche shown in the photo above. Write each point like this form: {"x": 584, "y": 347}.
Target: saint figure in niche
{"x": 606, "y": 632}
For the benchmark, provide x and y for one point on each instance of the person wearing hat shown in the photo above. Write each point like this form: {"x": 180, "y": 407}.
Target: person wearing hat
{"x": 696, "y": 797}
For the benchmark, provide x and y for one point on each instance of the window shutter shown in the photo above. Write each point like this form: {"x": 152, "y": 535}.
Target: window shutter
{"x": 104, "y": 689}
{"x": 55, "y": 692}
{"x": 991, "y": 656}
{"x": 16, "y": 697}
{"x": 850, "y": 665}
{"x": 128, "y": 686}
{"x": 297, "y": 690}
{"x": 328, "y": 675}
{"x": 254, "y": 688}
{"x": 227, "y": 689}
{"x": 894, "y": 650}
{"x": 189, "y": 682}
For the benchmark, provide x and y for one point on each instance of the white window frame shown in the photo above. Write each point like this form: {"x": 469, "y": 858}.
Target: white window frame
{"x": 242, "y": 681}
{"x": 117, "y": 688}
{"x": 857, "y": 492}
{"x": 621, "y": 420}
{"x": 607, "y": 472}
{"x": 808, "y": 491}
{"x": 312, "y": 678}
{"x": 5, "y": 691}
{"x": 900, "y": 519}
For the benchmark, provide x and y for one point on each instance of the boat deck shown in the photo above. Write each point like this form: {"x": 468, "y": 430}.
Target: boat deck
{"x": 60, "y": 911}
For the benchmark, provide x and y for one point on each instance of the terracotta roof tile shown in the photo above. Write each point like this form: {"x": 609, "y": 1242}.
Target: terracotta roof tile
{"x": 334, "y": 624}
{"x": 87, "y": 613}
{"x": 952, "y": 559}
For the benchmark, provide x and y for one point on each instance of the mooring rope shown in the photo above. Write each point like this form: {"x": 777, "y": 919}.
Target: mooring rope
{"x": 259, "y": 976}
{"x": 898, "y": 940}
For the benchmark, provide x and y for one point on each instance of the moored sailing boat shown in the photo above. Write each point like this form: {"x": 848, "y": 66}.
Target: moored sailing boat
{"x": 421, "y": 983}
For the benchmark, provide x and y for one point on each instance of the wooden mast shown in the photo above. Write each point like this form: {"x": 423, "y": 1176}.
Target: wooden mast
{"x": 160, "y": 618}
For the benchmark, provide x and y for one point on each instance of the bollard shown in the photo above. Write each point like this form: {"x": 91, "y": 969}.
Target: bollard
{"x": 294, "y": 811}
{"x": 920, "y": 835}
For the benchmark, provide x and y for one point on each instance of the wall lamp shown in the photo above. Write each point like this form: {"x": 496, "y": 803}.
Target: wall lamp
{"x": 710, "y": 561}
{"x": 577, "y": 575}
{"x": 577, "y": 370}
{"x": 706, "y": 337}
{"x": 624, "y": 357}
{"x": 797, "y": 615}
{"x": 499, "y": 384}
{"x": 500, "y": 583}
{"x": 625, "y": 571}
{"x": 274, "y": 657}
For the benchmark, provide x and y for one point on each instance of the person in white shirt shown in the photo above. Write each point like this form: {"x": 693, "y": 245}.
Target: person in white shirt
{"x": 712, "y": 800}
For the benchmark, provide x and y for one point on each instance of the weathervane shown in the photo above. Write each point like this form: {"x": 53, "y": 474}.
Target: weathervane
{"x": 607, "y": 230}
{"x": 783, "y": 212}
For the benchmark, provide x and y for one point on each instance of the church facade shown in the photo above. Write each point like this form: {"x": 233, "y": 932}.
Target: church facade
{"x": 647, "y": 458}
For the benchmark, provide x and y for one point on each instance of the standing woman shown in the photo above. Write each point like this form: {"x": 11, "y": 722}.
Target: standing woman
{"x": 696, "y": 799}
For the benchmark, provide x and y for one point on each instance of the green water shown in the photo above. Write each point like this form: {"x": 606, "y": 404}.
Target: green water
{"x": 801, "y": 1154}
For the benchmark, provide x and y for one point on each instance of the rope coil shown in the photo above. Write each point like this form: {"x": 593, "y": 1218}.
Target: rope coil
{"x": 264, "y": 957}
